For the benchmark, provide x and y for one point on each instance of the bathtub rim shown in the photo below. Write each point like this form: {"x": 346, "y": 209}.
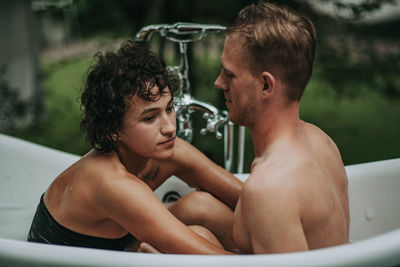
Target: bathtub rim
{"x": 383, "y": 249}
{"x": 11, "y": 251}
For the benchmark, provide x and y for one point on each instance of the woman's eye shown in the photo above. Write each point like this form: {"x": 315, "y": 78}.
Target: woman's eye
{"x": 149, "y": 118}
{"x": 170, "y": 109}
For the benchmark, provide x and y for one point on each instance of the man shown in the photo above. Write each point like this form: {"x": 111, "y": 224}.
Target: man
{"x": 296, "y": 196}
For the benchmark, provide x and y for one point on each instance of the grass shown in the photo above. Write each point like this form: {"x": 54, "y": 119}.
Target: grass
{"x": 365, "y": 127}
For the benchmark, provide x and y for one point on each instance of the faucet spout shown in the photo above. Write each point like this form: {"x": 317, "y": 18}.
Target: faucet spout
{"x": 206, "y": 108}
{"x": 186, "y": 105}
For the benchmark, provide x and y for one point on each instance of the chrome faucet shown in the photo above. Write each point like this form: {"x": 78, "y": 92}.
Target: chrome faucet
{"x": 185, "y": 104}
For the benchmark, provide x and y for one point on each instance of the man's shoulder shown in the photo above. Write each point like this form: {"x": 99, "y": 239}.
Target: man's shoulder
{"x": 270, "y": 179}
{"x": 278, "y": 166}
{"x": 271, "y": 190}
{"x": 319, "y": 138}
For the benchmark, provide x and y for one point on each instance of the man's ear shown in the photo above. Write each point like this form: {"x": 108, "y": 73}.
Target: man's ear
{"x": 269, "y": 83}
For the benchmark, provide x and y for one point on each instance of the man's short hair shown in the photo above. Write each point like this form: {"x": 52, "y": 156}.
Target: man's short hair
{"x": 279, "y": 41}
{"x": 112, "y": 81}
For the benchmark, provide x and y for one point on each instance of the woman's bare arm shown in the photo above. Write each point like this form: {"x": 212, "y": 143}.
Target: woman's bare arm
{"x": 132, "y": 204}
{"x": 193, "y": 167}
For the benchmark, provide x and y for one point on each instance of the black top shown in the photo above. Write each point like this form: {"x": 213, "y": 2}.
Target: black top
{"x": 45, "y": 229}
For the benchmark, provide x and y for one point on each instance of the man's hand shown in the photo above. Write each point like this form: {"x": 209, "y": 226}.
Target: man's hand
{"x": 147, "y": 248}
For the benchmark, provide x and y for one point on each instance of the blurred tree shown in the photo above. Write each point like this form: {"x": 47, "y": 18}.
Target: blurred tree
{"x": 362, "y": 8}
{"x": 359, "y": 48}
{"x": 352, "y": 53}
{"x": 12, "y": 108}
{"x": 357, "y": 67}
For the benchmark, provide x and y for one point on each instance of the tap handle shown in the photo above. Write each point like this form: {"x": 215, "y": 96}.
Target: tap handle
{"x": 214, "y": 123}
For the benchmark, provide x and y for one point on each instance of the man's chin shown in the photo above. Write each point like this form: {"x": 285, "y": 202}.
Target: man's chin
{"x": 232, "y": 118}
{"x": 236, "y": 119}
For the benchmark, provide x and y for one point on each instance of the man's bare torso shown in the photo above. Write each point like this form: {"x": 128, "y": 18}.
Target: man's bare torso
{"x": 311, "y": 164}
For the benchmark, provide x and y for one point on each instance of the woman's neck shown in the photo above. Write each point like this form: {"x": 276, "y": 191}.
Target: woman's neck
{"x": 133, "y": 163}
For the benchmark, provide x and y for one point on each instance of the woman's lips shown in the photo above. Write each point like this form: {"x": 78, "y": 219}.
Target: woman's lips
{"x": 169, "y": 142}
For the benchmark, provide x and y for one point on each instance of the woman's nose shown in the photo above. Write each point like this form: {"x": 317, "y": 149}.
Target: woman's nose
{"x": 168, "y": 125}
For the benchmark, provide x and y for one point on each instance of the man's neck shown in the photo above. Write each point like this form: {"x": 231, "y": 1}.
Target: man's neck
{"x": 273, "y": 126}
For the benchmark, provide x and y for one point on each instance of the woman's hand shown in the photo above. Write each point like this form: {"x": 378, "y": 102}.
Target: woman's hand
{"x": 147, "y": 248}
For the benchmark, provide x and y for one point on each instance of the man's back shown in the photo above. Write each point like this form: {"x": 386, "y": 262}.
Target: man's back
{"x": 295, "y": 198}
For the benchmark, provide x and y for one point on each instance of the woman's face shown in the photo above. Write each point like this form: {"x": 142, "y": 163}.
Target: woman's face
{"x": 149, "y": 127}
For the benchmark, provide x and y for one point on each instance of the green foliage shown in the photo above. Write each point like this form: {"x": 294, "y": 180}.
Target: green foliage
{"x": 364, "y": 127}
{"x": 127, "y": 16}
{"x": 59, "y": 126}
{"x": 354, "y": 94}
{"x": 101, "y": 16}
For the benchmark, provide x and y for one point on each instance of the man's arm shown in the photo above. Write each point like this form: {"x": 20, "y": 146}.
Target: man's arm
{"x": 271, "y": 214}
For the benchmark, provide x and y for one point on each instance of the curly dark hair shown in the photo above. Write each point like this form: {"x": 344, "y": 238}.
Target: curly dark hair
{"x": 112, "y": 80}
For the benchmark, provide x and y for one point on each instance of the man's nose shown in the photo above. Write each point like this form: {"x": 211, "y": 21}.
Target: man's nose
{"x": 219, "y": 83}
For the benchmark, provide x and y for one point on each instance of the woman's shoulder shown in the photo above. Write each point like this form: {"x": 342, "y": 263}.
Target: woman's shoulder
{"x": 92, "y": 172}
{"x": 101, "y": 164}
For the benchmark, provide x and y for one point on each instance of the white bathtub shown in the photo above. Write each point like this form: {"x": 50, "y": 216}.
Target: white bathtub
{"x": 26, "y": 170}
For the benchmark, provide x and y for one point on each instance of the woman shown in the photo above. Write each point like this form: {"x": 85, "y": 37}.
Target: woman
{"x": 106, "y": 200}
